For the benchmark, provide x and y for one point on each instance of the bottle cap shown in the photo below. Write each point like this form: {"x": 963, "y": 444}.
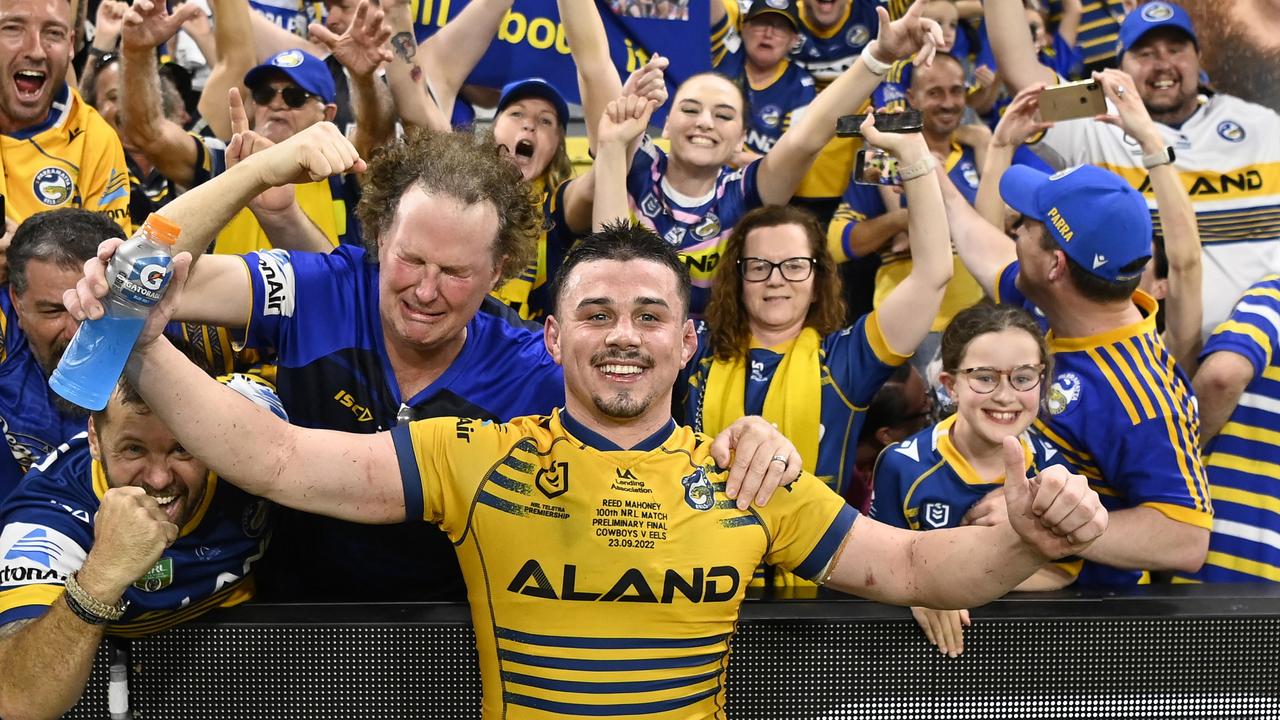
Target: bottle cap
{"x": 161, "y": 229}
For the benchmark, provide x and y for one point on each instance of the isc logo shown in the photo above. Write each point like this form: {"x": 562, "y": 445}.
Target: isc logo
{"x": 349, "y": 401}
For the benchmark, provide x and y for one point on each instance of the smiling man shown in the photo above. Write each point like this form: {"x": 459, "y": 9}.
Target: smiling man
{"x": 121, "y": 532}
{"x": 58, "y": 152}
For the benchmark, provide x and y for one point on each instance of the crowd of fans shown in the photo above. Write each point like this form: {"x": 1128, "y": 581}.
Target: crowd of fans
{"x": 1099, "y": 288}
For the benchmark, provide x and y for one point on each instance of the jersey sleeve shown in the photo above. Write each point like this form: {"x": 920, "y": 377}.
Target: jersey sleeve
{"x": 439, "y": 486}
{"x": 1252, "y": 330}
{"x": 887, "y": 485}
{"x": 104, "y": 179}
{"x": 860, "y": 359}
{"x": 43, "y": 541}
{"x": 725, "y": 39}
{"x": 1007, "y": 292}
{"x": 807, "y": 523}
{"x": 858, "y": 204}
{"x": 295, "y": 295}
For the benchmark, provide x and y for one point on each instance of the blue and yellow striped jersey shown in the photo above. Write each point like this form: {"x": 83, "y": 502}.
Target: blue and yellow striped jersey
{"x": 48, "y": 530}
{"x": 854, "y": 364}
{"x": 603, "y": 581}
{"x": 1244, "y": 459}
{"x": 697, "y": 227}
{"x": 71, "y": 159}
{"x": 1099, "y": 27}
{"x": 1121, "y": 413}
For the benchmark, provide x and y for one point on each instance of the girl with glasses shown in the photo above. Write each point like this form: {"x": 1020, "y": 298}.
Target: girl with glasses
{"x": 995, "y": 367}
{"x": 775, "y": 342}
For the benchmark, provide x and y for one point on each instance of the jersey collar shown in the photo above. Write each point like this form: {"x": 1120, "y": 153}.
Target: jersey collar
{"x": 1147, "y": 324}
{"x": 960, "y": 464}
{"x": 600, "y": 442}
{"x": 57, "y": 112}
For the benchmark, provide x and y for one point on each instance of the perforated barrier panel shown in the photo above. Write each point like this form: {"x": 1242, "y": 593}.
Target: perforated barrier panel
{"x": 1170, "y": 653}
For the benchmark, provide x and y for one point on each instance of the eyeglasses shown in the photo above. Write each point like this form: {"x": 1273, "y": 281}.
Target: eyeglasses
{"x": 795, "y": 269}
{"x": 294, "y": 96}
{"x": 985, "y": 380}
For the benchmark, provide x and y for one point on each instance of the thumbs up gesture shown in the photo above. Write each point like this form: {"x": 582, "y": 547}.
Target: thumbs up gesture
{"x": 1055, "y": 512}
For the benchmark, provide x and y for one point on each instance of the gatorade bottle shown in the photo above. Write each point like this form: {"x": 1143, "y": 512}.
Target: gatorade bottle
{"x": 138, "y": 273}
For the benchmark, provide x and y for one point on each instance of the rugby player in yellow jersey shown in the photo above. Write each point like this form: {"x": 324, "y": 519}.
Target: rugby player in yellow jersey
{"x": 55, "y": 150}
{"x": 557, "y": 518}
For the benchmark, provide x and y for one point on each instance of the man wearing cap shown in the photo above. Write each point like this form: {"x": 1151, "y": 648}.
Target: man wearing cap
{"x": 777, "y": 89}
{"x": 1226, "y": 150}
{"x": 56, "y": 150}
{"x": 292, "y": 91}
{"x": 1117, "y": 410}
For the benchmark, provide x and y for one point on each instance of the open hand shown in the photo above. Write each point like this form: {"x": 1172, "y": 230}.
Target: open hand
{"x": 362, "y": 49}
{"x": 911, "y": 34}
{"x": 149, "y": 24}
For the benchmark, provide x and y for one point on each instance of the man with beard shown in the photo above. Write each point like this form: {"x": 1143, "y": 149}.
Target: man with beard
{"x": 57, "y": 151}
{"x": 46, "y": 258}
{"x": 119, "y": 532}
{"x": 1226, "y": 150}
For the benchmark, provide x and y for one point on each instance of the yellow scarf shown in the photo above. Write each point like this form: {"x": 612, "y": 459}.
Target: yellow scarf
{"x": 793, "y": 402}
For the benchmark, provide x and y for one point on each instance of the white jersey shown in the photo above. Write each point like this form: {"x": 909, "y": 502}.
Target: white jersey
{"x": 1228, "y": 157}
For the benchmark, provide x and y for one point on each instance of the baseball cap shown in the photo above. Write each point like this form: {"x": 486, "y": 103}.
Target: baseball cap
{"x": 1150, "y": 17}
{"x": 1096, "y": 217}
{"x": 785, "y": 8}
{"x": 308, "y": 71}
{"x": 537, "y": 88}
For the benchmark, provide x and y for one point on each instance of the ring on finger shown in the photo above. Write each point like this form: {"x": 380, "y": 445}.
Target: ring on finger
{"x": 779, "y": 458}
{"x": 1119, "y": 89}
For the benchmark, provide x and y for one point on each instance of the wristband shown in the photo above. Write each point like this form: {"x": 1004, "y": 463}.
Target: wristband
{"x": 87, "y": 607}
{"x": 1163, "y": 156}
{"x": 918, "y": 169}
{"x": 877, "y": 68}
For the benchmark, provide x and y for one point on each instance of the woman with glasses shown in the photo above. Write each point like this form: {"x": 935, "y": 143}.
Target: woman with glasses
{"x": 775, "y": 341}
{"x": 995, "y": 362}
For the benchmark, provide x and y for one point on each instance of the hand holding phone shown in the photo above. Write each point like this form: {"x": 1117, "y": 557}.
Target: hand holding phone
{"x": 1071, "y": 101}
{"x": 908, "y": 121}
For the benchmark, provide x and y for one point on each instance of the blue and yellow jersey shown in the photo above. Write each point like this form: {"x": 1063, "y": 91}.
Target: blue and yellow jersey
{"x": 330, "y": 204}
{"x": 1121, "y": 413}
{"x": 529, "y": 293}
{"x": 555, "y": 526}
{"x": 853, "y": 364}
{"x": 292, "y": 15}
{"x": 863, "y": 202}
{"x": 773, "y": 107}
{"x": 1243, "y": 460}
{"x": 33, "y": 424}
{"x": 697, "y": 227}
{"x": 925, "y": 483}
{"x": 825, "y": 54}
{"x": 71, "y": 159}
{"x": 48, "y": 527}
{"x": 320, "y": 312}
{"x": 1099, "y": 27}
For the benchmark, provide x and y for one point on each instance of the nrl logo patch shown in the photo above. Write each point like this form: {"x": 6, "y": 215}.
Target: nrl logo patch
{"x": 937, "y": 515}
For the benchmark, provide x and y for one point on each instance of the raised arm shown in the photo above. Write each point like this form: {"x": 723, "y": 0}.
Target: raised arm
{"x": 907, "y": 312}
{"x": 1184, "y": 304}
{"x": 406, "y": 77}
{"x": 1056, "y": 516}
{"x": 362, "y": 49}
{"x": 786, "y": 164}
{"x": 1016, "y": 125}
{"x": 45, "y": 662}
{"x": 1013, "y": 46}
{"x": 233, "y": 34}
{"x": 624, "y": 120}
{"x": 107, "y": 25}
{"x": 1069, "y": 22}
{"x": 597, "y": 78}
{"x": 147, "y": 25}
{"x": 984, "y": 249}
{"x": 450, "y": 55}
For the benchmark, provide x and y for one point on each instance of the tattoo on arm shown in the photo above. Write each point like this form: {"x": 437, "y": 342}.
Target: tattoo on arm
{"x": 405, "y": 46}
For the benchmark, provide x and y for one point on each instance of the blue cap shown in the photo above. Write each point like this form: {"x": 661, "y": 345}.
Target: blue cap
{"x": 1097, "y": 218}
{"x": 308, "y": 71}
{"x": 538, "y": 88}
{"x": 1152, "y": 16}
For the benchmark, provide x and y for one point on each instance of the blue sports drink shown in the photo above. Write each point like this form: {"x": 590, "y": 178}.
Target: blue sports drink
{"x": 138, "y": 274}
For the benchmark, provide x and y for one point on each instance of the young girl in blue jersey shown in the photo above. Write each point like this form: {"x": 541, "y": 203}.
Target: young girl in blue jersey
{"x": 995, "y": 361}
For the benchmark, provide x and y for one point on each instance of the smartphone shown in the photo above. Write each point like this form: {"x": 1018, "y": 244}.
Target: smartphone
{"x": 907, "y": 121}
{"x": 1073, "y": 100}
{"x": 874, "y": 166}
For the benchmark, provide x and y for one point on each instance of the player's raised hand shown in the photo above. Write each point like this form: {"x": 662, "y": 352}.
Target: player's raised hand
{"x": 363, "y": 47}
{"x": 911, "y": 34}
{"x": 148, "y": 23}
{"x": 759, "y": 458}
{"x": 316, "y": 153}
{"x": 1055, "y": 513}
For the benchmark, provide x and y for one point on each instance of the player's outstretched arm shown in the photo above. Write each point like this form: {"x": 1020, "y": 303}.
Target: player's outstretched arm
{"x": 45, "y": 662}
{"x": 1051, "y": 517}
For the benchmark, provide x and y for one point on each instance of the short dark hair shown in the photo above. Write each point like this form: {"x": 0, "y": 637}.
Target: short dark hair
{"x": 66, "y": 237}
{"x": 624, "y": 240}
{"x": 460, "y": 165}
{"x": 1091, "y": 286}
